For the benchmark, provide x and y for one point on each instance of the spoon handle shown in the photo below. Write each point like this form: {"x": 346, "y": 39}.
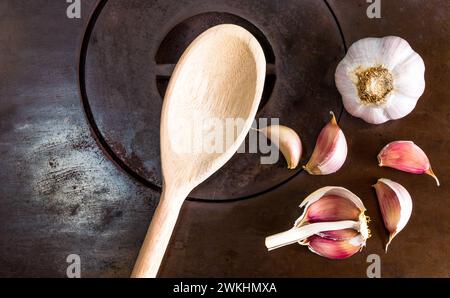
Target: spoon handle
{"x": 158, "y": 234}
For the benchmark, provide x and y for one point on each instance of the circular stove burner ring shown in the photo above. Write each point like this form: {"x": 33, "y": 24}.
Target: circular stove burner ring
{"x": 178, "y": 39}
{"x": 243, "y": 176}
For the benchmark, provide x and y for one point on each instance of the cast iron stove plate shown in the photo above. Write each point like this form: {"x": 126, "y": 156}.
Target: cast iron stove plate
{"x": 131, "y": 48}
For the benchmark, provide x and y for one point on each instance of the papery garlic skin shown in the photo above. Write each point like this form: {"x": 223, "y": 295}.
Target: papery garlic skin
{"x": 299, "y": 233}
{"x": 380, "y": 79}
{"x": 330, "y": 151}
{"x": 345, "y": 234}
{"x": 330, "y": 232}
{"x": 396, "y": 206}
{"x": 406, "y": 156}
{"x": 287, "y": 140}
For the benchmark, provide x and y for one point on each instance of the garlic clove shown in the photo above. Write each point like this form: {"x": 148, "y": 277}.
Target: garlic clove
{"x": 330, "y": 151}
{"x": 380, "y": 79}
{"x": 287, "y": 140}
{"x": 332, "y": 208}
{"x": 335, "y": 250}
{"x": 337, "y": 229}
{"x": 323, "y": 192}
{"x": 406, "y": 156}
{"x": 395, "y": 204}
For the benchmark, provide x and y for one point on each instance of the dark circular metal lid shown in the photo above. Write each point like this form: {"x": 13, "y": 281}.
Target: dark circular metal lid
{"x": 131, "y": 47}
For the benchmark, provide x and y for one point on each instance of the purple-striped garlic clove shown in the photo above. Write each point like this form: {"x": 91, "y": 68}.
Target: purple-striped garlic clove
{"x": 338, "y": 244}
{"x": 331, "y": 203}
{"x": 330, "y": 151}
{"x": 332, "y": 225}
{"x": 395, "y": 204}
{"x": 335, "y": 249}
{"x": 332, "y": 208}
{"x": 406, "y": 156}
{"x": 287, "y": 140}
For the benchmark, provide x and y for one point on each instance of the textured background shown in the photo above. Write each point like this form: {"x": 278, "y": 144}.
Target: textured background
{"x": 63, "y": 192}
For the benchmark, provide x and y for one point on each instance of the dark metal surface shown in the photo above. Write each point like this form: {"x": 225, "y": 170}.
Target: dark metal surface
{"x": 61, "y": 193}
{"x": 134, "y": 45}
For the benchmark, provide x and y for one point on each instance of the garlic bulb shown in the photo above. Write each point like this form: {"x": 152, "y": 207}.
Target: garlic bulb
{"x": 330, "y": 151}
{"x": 333, "y": 224}
{"x": 380, "y": 79}
{"x": 395, "y": 204}
{"x": 287, "y": 140}
{"x": 407, "y": 157}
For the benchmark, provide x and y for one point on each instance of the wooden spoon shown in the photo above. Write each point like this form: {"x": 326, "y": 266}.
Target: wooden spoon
{"x": 219, "y": 76}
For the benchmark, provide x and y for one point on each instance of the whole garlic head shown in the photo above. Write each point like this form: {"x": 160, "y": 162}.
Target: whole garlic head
{"x": 380, "y": 79}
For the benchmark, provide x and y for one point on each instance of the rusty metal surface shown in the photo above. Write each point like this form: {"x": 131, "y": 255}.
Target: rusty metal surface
{"x": 59, "y": 194}
{"x": 62, "y": 193}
